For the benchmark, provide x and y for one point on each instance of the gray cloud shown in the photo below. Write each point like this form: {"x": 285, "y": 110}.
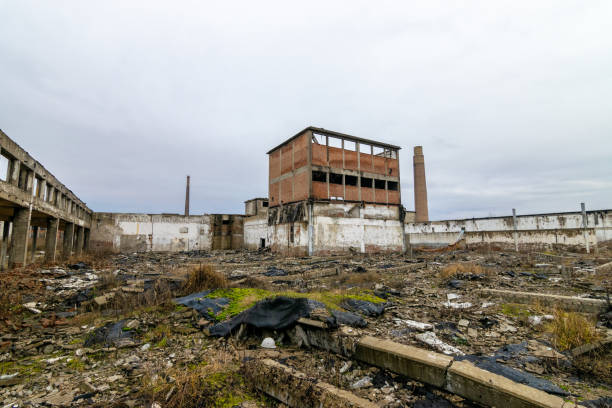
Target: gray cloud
{"x": 120, "y": 100}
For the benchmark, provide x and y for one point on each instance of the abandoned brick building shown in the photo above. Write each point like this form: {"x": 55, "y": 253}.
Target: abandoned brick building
{"x": 331, "y": 192}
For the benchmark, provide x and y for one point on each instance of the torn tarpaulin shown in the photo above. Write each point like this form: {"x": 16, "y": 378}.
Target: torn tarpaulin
{"x": 490, "y": 364}
{"x": 207, "y": 307}
{"x": 364, "y": 307}
{"x": 277, "y": 314}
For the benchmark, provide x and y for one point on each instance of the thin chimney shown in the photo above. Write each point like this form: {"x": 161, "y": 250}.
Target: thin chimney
{"x": 420, "y": 186}
{"x": 187, "y": 198}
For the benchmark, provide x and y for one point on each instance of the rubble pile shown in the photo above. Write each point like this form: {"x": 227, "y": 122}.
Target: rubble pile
{"x": 126, "y": 333}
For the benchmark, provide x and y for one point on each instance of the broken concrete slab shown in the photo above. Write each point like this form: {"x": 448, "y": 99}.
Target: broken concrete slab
{"x": 569, "y": 303}
{"x": 413, "y": 362}
{"x": 297, "y": 390}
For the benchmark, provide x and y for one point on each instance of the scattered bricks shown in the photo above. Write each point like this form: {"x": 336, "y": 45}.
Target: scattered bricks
{"x": 490, "y": 389}
{"x": 569, "y": 303}
{"x": 297, "y": 390}
{"x": 421, "y": 365}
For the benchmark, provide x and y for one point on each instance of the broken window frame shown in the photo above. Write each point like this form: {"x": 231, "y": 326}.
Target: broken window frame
{"x": 335, "y": 178}
{"x": 319, "y": 176}
{"x": 350, "y": 180}
{"x": 367, "y": 182}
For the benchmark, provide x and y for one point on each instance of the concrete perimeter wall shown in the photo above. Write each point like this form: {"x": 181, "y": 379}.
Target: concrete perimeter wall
{"x": 531, "y": 230}
{"x": 121, "y": 232}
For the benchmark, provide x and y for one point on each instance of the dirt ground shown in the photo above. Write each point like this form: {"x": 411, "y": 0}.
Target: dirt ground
{"x": 104, "y": 330}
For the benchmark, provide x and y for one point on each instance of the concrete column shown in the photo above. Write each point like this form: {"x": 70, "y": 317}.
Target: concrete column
{"x": 86, "y": 239}
{"x": 15, "y": 171}
{"x": 51, "y": 239}
{"x": 19, "y": 244}
{"x": 310, "y": 230}
{"x": 68, "y": 240}
{"x": 34, "y": 243}
{"x": 585, "y": 223}
{"x": 420, "y": 186}
{"x": 80, "y": 240}
{"x": 5, "y": 235}
{"x": 515, "y": 228}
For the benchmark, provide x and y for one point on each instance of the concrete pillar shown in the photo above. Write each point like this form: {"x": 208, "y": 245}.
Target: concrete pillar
{"x": 420, "y": 186}
{"x": 585, "y": 223}
{"x": 86, "y": 239}
{"x": 68, "y": 240}
{"x": 5, "y": 236}
{"x": 34, "y": 243}
{"x": 51, "y": 239}
{"x": 80, "y": 240}
{"x": 310, "y": 229}
{"x": 19, "y": 244}
{"x": 515, "y": 230}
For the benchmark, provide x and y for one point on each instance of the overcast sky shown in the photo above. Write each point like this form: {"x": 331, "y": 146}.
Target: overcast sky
{"x": 511, "y": 100}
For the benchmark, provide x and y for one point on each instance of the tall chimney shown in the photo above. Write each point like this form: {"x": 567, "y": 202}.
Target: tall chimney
{"x": 187, "y": 198}
{"x": 420, "y": 186}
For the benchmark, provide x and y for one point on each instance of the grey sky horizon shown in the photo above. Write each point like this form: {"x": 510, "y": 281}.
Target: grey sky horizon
{"x": 511, "y": 100}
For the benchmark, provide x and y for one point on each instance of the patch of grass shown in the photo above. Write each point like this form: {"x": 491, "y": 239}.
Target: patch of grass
{"x": 216, "y": 384}
{"x": 515, "y": 310}
{"x": 76, "y": 364}
{"x": 571, "y": 330}
{"x": 244, "y": 298}
{"x": 23, "y": 367}
{"x": 202, "y": 277}
{"x": 158, "y": 333}
{"x": 162, "y": 343}
{"x": 597, "y": 364}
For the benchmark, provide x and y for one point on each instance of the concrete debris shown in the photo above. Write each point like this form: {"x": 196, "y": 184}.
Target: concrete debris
{"x": 536, "y": 320}
{"x": 432, "y": 340}
{"x": 414, "y": 324}
{"x": 365, "y": 382}
{"x": 452, "y": 305}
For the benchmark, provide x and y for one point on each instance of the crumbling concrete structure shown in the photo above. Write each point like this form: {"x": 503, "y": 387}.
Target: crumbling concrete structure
{"x": 332, "y": 192}
{"x": 256, "y": 223}
{"x": 33, "y": 200}
{"x": 523, "y": 232}
{"x": 120, "y": 232}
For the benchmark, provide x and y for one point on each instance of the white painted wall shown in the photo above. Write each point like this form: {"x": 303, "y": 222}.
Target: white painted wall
{"x": 546, "y": 229}
{"x": 158, "y": 232}
{"x": 255, "y": 228}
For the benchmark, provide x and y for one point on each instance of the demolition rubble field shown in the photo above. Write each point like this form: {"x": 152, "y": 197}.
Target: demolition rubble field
{"x": 183, "y": 329}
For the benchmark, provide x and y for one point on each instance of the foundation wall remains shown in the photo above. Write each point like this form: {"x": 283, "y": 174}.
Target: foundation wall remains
{"x": 528, "y": 231}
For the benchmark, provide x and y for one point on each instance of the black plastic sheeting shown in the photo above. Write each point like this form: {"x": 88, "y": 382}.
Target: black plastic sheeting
{"x": 364, "y": 307}
{"x": 491, "y": 365}
{"x": 205, "y": 306}
{"x": 108, "y": 334}
{"x": 348, "y": 318}
{"x": 276, "y": 314}
{"x": 603, "y": 402}
{"x": 274, "y": 271}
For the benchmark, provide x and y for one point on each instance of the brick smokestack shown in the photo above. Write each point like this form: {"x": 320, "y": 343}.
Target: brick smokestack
{"x": 420, "y": 186}
{"x": 187, "y": 198}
